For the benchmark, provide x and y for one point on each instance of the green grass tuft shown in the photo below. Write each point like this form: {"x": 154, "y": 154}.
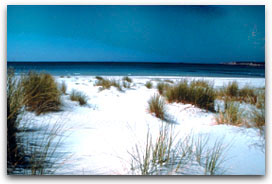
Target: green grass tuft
{"x": 157, "y": 106}
{"x": 78, "y": 96}
{"x": 199, "y": 93}
{"x": 149, "y": 84}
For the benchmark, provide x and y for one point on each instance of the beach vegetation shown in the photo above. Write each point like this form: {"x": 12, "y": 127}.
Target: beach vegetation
{"x": 14, "y": 109}
{"x": 99, "y": 77}
{"x": 164, "y": 155}
{"x": 199, "y": 93}
{"x": 231, "y": 114}
{"x": 23, "y": 157}
{"x": 149, "y": 84}
{"x": 107, "y": 83}
{"x": 162, "y": 87}
{"x": 169, "y": 81}
{"x": 41, "y": 92}
{"x": 128, "y": 79}
{"x": 78, "y": 96}
{"x": 156, "y": 105}
{"x": 63, "y": 87}
{"x": 232, "y": 92}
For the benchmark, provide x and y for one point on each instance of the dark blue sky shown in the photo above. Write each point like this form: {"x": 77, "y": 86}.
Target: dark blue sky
{"x": 198, "y": 34}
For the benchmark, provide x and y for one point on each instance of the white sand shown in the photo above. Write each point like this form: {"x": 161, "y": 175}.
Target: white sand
{"x": 102, "y": 132}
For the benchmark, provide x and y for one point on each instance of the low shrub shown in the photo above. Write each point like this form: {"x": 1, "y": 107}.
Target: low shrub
{"x": 78, "y": 96}
{"x": 149, "y": 84}
{"x": 41, "y": 93}
{"x": 157, "y": 106}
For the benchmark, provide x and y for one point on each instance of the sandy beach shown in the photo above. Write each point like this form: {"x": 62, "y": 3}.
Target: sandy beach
{"x": 100, "y": 135}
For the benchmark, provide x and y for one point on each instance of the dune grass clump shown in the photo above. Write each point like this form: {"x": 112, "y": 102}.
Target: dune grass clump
{"x": 164, "y": 155}
{"x": 128, "y": 79}
{"x": 107, "y": 83}
{"x": 162, "y": 87}
{"x": 78, "y": 96}
{"x": 99, "y": 77}
{"x": 156, "y": 105}
{"x": 41, "y": 93}
{"x": 232, "y": 89}
{"x": 232, "y": 92}
{"x": 23, "y": 157}
{"x": 149, "y": 84}
{"x": 199, "y": 93}
{"x": 161, "y": 157}
{"x": 260, "y": 102}
{"x": 63, "y": 87}
{"x": 231, "y": 115}
{"x": 14, "y": 109}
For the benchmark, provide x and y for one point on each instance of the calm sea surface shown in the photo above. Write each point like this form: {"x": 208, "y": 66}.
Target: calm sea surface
{"x": 138, "y": 69}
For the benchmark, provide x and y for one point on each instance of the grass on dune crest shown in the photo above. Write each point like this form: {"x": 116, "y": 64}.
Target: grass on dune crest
{"x": 41, "y": 92}
{"x": 198, "y": 92}
{"x": 78, "y": 96}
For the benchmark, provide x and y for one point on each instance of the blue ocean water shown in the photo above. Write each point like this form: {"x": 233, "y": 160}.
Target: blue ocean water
{"x": 139, "y": 69}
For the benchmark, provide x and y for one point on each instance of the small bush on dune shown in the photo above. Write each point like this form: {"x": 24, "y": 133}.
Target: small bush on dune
{"x": 78, "y": 96}
{"x": 149, "y": 84}
{"x": 41, "y": 93}
{"x": 157, "y": 106}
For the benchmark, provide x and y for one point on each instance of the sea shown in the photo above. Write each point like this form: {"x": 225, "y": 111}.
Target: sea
{"x": 138, "y": 69}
